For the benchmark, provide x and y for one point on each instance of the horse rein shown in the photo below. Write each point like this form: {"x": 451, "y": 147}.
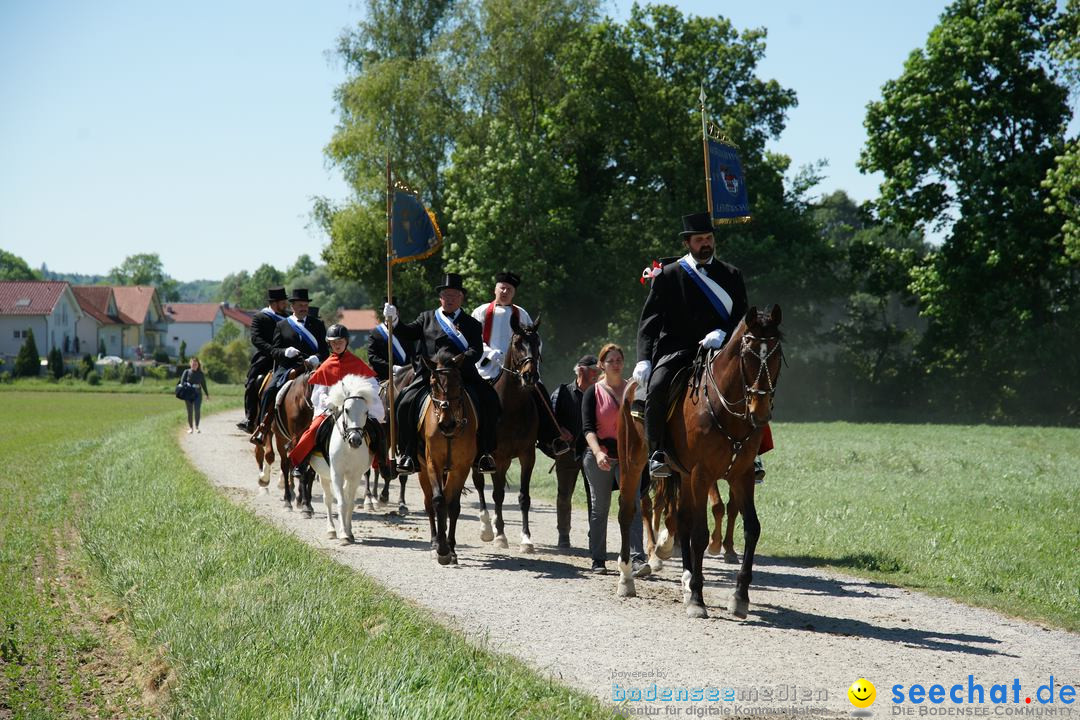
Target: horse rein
{"x": 340, "y": 415}
{"x": 518, "y": 365}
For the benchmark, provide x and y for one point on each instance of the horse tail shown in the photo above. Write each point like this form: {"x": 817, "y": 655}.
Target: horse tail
{"x": 667, "y": 493}
{"x": 626, "y": 420}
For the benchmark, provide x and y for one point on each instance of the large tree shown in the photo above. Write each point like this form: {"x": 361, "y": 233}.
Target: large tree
{"x": 145, "y": 269}
{"x": 13, "y": 267}
{"x": 965, "y": 137}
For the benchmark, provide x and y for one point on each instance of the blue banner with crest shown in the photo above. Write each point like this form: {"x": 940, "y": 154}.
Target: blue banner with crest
{"x": 727, "y": 183}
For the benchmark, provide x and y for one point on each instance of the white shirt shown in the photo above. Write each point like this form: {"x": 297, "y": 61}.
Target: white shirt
{"x": 500, "y": 336}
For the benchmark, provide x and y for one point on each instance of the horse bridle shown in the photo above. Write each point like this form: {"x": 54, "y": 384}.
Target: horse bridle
{"x": 522, "y": 362}
{"x": 443, "y": 406}
{"x": 748, "y": 344}
{"x": 341, "y": 415}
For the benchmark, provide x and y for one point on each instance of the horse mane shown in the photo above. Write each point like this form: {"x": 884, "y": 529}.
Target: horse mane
{"x": 351, "y": 386}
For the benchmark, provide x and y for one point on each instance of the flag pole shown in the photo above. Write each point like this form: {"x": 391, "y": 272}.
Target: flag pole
{"x": 705, "y": 148}
{"x": 392, "y": 448}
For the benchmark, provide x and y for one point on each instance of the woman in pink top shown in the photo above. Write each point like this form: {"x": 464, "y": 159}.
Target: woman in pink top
{"x": 599, "y": 422}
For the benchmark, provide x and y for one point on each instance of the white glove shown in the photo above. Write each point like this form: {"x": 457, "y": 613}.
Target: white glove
{"x": 389, "y": 312}
{"x": 642, "y": 371}
{"x": 398, "y": 368}
{"x": 291, "y": 352}
{"x": 496, "y": 357}
{"x": 314, "y": 361}
{"x": 714, "y": 339}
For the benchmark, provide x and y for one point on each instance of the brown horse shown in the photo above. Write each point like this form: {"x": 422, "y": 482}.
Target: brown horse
{"x": 714, "y": 433}
{"x": 448, "y": 426}
{"x": 291, "y": 417}
{"x": 516, "y": 438}
{"x": 402, "y": 380}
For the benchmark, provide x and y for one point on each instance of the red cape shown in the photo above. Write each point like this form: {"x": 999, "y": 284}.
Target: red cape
{"x": 337, "y": 367}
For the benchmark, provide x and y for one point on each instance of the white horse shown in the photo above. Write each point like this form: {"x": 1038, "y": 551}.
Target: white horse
{"x": 349, "y": 455}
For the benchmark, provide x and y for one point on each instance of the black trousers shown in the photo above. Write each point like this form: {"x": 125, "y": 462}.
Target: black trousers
{"x": 408, "y": 414}
{"x": 281, "y": 375}
{"x": 567, "y": 469}
{"x": 256, "y": 372}
{"x": 656, "y": 399}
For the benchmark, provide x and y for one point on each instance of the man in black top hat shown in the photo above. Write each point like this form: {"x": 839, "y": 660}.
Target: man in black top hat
{"x": 298, "y": 341}
{"x": 695, "y": 300}
{"x": 262, "y": 362}
{"x": 446, "y": 327}
{"x": 378, "y": 357}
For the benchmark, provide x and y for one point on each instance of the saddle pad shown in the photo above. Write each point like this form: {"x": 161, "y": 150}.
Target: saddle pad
{"x": 427, "y": 402}
{"x": 281, "y": 393}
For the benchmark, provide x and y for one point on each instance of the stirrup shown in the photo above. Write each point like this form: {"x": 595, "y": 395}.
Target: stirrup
{"x": 485, "y": 462}
{"x": 759, "y": 471}
{"x": 560, "y": 446}
{"x": 658, "y": 465}
{"x": 405, "y": 465}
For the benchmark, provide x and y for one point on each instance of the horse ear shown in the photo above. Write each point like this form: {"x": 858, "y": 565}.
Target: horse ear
{"x": 751, "y": 315}
{"x": 536, "y": 322}
{"x": 775, "y": 316}
{"x": 515, "y": 326}
{"x": 458, "y": 359}
{"x": 427, "y": 363}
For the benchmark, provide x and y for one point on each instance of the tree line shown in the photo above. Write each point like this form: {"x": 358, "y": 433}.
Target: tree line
{"x": 565, "y": 145}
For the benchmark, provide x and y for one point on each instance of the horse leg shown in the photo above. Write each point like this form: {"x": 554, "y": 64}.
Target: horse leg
{"x": 328, "y": 501}
{"x": 402, "y": 508}
{"x": 669, "y": 531}
{"x": 649, "y": 525}
{"x": 307, "y": 480}
{"x": 740, "y": 599}
{"x": 628, "y": 493}
{"x": 498, "y": 494}
{"x": 454, "y": 508}
{"x": 486, "y": 535}
{"x": 384, "y": 473}
{"x": 730, "y": 556}
{"x": 684, "y": 526}
{"x": 286, "y": 475}
{"x": 442, "y": 550}
{"x": 718, "y": 520}
{"x": 524, "y": 501}
{"x": 350, "y": 487}
{"x": 699, "y": 538}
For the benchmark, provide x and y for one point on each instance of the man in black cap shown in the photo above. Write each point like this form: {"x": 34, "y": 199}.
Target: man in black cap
{"x": 695, "y": 300}
{"x": 262, "y": 362}
{"x": 566, "y": 400}
{"x": 298, "y": 340}
{"x": 449, "y": 327}
{"x": 378, "y": 357}
{"x": 495, "y": 317}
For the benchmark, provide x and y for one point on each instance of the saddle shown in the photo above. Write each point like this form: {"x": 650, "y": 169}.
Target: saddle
{"x": 322, "y": 438}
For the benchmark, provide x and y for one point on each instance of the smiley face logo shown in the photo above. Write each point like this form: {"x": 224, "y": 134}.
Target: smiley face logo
{"x": 862, "y": 693}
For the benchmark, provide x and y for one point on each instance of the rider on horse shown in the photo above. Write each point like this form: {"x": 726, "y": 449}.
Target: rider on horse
{"x": 696, "y": 300}
{"x": 340, "y": 363}
{"x": 377, "y": 350}
{"x": 298, "y": 339}
{"x": 496, "y": 317}
{"x": 446, "y": 327}
{"x": 262, "y": 362}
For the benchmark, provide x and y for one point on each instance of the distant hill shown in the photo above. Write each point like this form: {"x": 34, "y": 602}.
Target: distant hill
{"x": 194, "y": 291}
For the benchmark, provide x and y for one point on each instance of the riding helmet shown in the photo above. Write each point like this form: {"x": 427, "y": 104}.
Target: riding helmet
{"x": 336, "y": 331}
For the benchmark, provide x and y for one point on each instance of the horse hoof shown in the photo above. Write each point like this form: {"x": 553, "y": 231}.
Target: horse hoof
{"x": 453, "y": 558}
{"x": 307, "y": 514}
{"x": 501, "y": 542}
{"x": 528, "y": 548}
{"x": 369, "y": 505}
{"x": 384, "y": 499}
{"x": 264, "y": 490}
{"x": 443, "y": 559}
{"x": 739, "y": 608}
{"x": 696, "y": 611}
{"x": 403, "y": 510}
{"x": 655, "y": 562}
{"x": 347, "y": 540}
{"x": 626, "y": 588}
{"x": 331, "y": 535}
{"x": 731, "y": 558}
{"x": 486, "y": 533}
{"x": 287, "y": 505}
{"x": 713, "y": 549}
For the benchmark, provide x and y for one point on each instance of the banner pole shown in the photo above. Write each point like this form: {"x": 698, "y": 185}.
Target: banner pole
{"x": 705, "y": 148}
{"x": 392, "y": 449}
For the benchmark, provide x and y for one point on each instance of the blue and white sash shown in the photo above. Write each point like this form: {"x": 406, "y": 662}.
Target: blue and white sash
{"x": 399, "y": 352}
{"x": 304, "y": 334}
{"x": 452, "y": 332}
{"x": 716, "y": 295}
{"x": 270, "y": 313}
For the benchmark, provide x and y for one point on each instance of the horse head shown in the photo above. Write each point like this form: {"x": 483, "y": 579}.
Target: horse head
{"x": 349, "y": 401}
{"x": 760, "y": 353}
{"x": 523, "y": 355}
{"x": 447, "y": 391}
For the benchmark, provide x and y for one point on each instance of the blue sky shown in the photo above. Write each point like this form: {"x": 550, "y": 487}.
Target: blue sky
{"x": 195, "y": 130}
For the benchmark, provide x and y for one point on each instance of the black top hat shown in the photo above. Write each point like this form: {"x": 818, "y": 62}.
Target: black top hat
{"x": 276, "y": 293}
{"x": 508, "y": 277}
{"x": 452, "y": 281}
{"x": 696, "y": 224}
{"x": 313, "y": 311}
{"x": 299, "y": 294}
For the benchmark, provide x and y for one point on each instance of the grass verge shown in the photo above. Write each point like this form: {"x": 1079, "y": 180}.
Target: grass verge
{"x": 243, "y": 621}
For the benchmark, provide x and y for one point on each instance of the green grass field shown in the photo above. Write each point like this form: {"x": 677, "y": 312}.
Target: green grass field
{"x": 230, "y": 618}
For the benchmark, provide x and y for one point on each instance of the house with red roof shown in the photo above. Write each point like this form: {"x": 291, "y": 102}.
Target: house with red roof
{"x": 101, "y": 323}
{"x": 240, "y": 318}
{"x": 193, "y": 324}
{"x": 48, "y": 308}
{"x": 360, "y": 324}
{"x": 142, "y": 304}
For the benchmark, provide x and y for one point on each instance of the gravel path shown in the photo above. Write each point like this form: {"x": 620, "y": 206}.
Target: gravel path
{"x": 810, "y": 633}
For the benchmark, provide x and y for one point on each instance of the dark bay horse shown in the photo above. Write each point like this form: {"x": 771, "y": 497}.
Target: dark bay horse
{"x": 291, "y": 417}
{"x": 448, "y": 426}
{"x": 714, "y": 433}
{"x": 402, "y": 380}
{"x": 516, "y": 438}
